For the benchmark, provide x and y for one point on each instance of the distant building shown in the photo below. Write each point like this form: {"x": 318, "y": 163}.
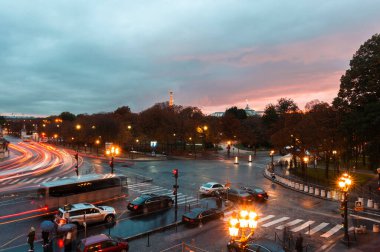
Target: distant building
{"x": 248, "y": 111}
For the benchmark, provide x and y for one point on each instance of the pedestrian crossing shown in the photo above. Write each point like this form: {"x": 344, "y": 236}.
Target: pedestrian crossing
{"x": 19, "y": 181}
{"x": 145, "y": 188}
{"x": 324, "y": 229}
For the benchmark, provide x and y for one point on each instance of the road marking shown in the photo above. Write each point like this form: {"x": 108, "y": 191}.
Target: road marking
{"x": 6, "y": 181}
{"x": 365, "y": 218}
{"x": 14, "y": 181}
{"x": 305, "y": 225}
{"x": 46, "y": 180}
{"x": 289, "y": 224}
{"x": 153, "y": 188}
{"x": 332, "y": 231}
{"x": 317, "y": 228}
{"x": 38, "y": 180}
{"x": 275, "y": 222}
{"x": 138, "y": 185}
{"x": 56, "y": 178}
{"x": 265, "y": 218}
{"x": 31, "y": 180}
{"x": 22, "y": 181}
{"x": 188, "y": 201}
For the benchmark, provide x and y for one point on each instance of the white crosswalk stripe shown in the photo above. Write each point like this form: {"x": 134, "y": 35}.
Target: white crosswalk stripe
{"x": 289, "y": 224}
{"x": 317, "y": 228}
{"x": 38, "y": 180}
{"x": 56, "y": 178}
{"x": 148, "y": 190}
{"x": 31, "y": 180}
{"x": 138, "y": 185}
{"x": 303, "y": 226}
{"x": 265, "y": 218}
{"x": 6, "y": 181}
{"x": 332, "y": 231}
{"x": 14, "y": 181}
{"x": 46, "y": 180}
{"x": 275, "y": 222}
{"x": 24, "y": 180}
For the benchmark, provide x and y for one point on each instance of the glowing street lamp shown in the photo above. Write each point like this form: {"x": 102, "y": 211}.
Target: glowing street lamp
{"x": 241, "y": 228}
{"x": 271, "y": 153}
{"x": 97, "y": 142}
{"x": 344, "y": 183}
{"x": 113, "y": 151}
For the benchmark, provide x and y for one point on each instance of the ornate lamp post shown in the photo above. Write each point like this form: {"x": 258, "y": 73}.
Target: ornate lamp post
{"x": 97, "y": 142}
{"x": 241, "y": 228}
{"x": 344, "y": 184}
{"x": 113, "y": 151}
{"x": 271, "y": 153}
{"x": 305, "y": 161}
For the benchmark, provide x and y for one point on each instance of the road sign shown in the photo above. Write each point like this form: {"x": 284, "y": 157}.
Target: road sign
{"x": 358, "y": 206}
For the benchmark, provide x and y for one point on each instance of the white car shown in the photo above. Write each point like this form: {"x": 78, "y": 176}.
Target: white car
{"x": 211, "y": 188}
{"x": 83, "y": 212}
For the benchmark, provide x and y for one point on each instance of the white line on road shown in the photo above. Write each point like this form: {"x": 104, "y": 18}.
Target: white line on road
{"x": 265, "y": 218}
{"x": 305, "y": 225}
{"x": 31, "y": 180}
{"x": 289, "y": 224}
{"x": 275, "y": 222}
{"x": 14, "y": 181}
{"x": 317, "y": 228}
{"x": 332, "y": 231}
{"x": 365, "y": 218}
{"x": 38, "y": 180}
{"x": 22, "y": 181}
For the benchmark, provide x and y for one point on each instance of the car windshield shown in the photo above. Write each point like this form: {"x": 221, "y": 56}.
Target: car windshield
{"x": 194, "y": 213}
{"x": 138, "y": 200}
{"x": 208, "y": 185}
{"x": 258, "y": 190}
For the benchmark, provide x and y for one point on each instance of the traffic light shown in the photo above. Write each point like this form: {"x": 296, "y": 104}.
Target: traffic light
{"x": 175, "y": 173}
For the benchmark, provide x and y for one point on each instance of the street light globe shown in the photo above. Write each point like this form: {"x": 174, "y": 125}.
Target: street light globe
{"x": 108, "y": 152}
{"x": 97, "y": 141}
{"x": 205, "y": 128}
{"x": 271, "y": 152}
{"x": 341, "y": 184}
{"x": 78, "y": 126}
{"x": 306, "y": 159}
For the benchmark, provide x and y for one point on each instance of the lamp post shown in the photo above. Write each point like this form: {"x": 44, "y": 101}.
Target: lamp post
{"x": 305, "y": 161}
{"x": 78, "y": 128}
{"x": 271, "y": 153}
{"x": 113, "y": 151}
{"x": 241, "y": 228}
{"x": 344, "y": 184}
{"x": 97, "y": 142}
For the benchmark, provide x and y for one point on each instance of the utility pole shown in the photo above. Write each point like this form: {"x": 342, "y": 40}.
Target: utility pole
{"x": 175, "y": 188}
{"x": 77, "y": 164}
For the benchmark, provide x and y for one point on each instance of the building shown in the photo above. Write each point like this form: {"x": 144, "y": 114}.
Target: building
{"x": 248, "y": 111}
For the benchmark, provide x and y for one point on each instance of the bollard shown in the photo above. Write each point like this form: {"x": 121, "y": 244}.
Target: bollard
{"x": 376, "y": 206}
{"x": 336, "y": 195}
{"x": 361, "y": 200}
{"x": 306, "y": 188}
{"x": 370, "y": 203}
{"x": 323, "y": 193}
{"x": 311, "y": 190}
{"x": 316, "y": 191}
{"x": 328, "y": 194}
{"x": 293, "y": 184}
{"x": 297, "y": 186}
{"x": 250, "y": 159}
{"x": 376, "y": 228}
{"x": 236, "y": 160}
{"x": 301, "y": 187}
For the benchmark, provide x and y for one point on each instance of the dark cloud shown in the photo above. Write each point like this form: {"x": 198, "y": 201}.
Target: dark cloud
{"x": 88, "y": 57}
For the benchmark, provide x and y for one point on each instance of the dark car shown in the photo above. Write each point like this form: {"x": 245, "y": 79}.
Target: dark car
{"x": 150, "y": 202}
{"x": 257, "y": 193}
{"x": 102, "y": 242}
{"x": 239, "y": 195}
{"x": 262, "y": 245}
{"x": 201, "y": 215}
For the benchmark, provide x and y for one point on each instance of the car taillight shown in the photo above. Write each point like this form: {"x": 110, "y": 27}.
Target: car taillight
{"x": 260, "y": 195}
{"x": 191, "y": 220}
{"x": 135, "y": 207}
{"x": 62, "y": 222}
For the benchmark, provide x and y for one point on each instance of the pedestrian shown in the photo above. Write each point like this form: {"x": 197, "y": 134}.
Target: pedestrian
{"x": 31, "y": 237}
{"x": 299, "y": 241}
{"x": 45, "y": 237}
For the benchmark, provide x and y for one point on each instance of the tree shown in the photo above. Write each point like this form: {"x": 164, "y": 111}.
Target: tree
{"x": 237, "y": 113}
{"x": 361, "y": 83}
{"x": 2, "y": 120}
{"x": 67, "y": 116}
{"x": 286, "y": 105}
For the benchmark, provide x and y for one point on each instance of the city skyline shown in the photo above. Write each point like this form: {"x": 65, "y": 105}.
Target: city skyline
{"x": 94, "y": 58}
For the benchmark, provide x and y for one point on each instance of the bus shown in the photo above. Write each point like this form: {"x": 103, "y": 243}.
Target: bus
{"x": 91, "y": 188}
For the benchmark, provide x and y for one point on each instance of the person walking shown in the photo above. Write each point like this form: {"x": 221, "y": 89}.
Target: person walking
{"x": 31, "y": 237}
{"x": 299, "y": 241}
{"x": 45, "y": 238}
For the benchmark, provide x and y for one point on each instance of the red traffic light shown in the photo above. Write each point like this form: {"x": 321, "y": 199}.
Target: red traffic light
{"x": 175, "y": 173}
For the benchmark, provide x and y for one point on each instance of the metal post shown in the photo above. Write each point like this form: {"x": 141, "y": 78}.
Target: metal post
{"x": 148, "y": 245}
{"x": 112, "y": 164}
{"x": 176, "y": 198}
{"x": 346, "y": 238}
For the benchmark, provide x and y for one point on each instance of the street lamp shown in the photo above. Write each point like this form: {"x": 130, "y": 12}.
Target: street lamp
{"x": 305, "y": 162}
{"x": 344, "y": 184}
{"x": 271, "y": 153}
{"x": 241, "y": 228}
{"x": 97, "y": 142}
{"x": 113, "y": 151}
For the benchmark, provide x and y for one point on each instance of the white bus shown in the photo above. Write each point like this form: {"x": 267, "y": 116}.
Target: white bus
{"x": 92, "y": 188}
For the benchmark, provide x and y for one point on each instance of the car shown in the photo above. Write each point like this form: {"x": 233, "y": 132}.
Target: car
{"x": 257, "y": 193}
{"x": 261, "y": 244}
{"x": 239, "y": 195}
{"x": 201, "y": 215}
{"x": 211, "y": 188}
{"x": 102, "y": 242}
{"x": 81, "y": 213}
{"x": 150, "y": 202}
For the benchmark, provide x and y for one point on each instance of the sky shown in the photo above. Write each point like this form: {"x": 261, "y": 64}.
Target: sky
{"x": 95, "y": 56}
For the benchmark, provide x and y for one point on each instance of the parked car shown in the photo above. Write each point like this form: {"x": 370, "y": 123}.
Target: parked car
{"x": 104, "y": 243}
{"x": 257, "y": 193}
{"x": 201, "y": 215}
{"x": 150, "y": 202}
{"x": 84, "y": 212}
{"x": 259, "y": 245}
{"x": 211, "y": 187}
{"x": 239, "y": 195}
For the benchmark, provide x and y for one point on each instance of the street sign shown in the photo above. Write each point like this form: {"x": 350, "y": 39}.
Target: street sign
{"x": 358, "y": 206}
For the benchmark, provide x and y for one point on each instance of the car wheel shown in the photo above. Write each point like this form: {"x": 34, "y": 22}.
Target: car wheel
{"x": 145, "y": 210}
{"x": 110, "y": 219}
{"x": 170, "y": 203}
